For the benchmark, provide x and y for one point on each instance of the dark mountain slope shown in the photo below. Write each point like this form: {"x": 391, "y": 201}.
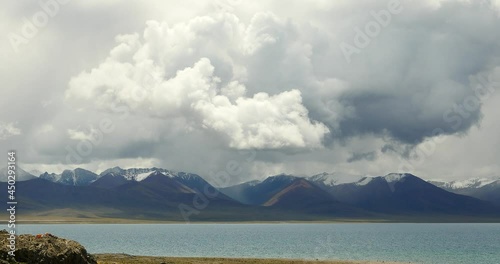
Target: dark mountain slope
{"x": 257, "y": 193}
{"x": 109, "y": 180}
{"x": 302, "y": 196}
{"x": 405, "y": 193}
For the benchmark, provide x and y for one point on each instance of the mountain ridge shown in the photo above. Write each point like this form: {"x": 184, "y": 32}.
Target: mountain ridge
{"x": 156, "y": 192}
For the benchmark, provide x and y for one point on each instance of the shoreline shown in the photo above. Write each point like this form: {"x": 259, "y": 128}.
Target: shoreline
{"x": 100, "y": 216}
{"x": 128, "y": 259}
{"x": 152, "y": 222}
{"x": 47, "y": 219}
{"x": 56, "y": 222}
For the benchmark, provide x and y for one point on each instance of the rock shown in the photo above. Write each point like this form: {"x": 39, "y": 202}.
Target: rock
{"x": 47, "y": 249}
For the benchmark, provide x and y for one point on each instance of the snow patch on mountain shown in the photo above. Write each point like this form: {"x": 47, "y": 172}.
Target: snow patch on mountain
{"x": 142, "y": 176}
{"x": 253, "y": 183}
{"x": 280, "y": 178}
{"x": 465, "y": 184}
{"x": 394, "y": 177}
{"x": 391, "y": 179}
{"x": 137, "y": 174}
{"x": 335, "y": 178}
{"x": 365, "y": 181}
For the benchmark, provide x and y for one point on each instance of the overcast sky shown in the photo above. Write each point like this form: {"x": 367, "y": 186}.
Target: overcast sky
{"x": 253, "y": 88}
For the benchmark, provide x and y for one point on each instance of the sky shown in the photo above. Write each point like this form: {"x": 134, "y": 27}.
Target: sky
{"x": 251, "y": 89}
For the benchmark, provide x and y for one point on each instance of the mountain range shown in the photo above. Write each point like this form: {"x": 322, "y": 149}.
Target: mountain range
{"x": 161, "y": 194}
{"x": 481, "y": 188}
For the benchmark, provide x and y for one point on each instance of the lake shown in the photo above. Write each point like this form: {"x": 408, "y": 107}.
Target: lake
{"x": 420, "y": 243}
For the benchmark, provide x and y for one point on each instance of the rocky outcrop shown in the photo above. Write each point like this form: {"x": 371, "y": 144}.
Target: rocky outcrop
{"x": 44, "y": 249}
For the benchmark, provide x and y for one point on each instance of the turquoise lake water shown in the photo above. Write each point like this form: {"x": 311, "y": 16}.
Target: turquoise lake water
{"x": 418, "y": 243}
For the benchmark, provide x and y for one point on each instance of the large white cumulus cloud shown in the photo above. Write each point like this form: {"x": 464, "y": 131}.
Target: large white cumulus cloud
{"x": 165, "y": 74}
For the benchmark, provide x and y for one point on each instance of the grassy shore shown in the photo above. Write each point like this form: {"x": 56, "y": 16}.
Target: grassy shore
{"x": 127, "y": 259}
{"x": 70, "y": 216}
{"x": 92, "y": 219}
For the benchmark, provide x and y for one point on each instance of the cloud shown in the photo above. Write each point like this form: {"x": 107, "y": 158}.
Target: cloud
{"x": 8, "y": 130}
{"x": 194, "y": 93}
{"x": 211, "y": 69}
{"x": 417, "y": 69}
{"x": 79, "y": 135}
{"x": 371, "y": 156}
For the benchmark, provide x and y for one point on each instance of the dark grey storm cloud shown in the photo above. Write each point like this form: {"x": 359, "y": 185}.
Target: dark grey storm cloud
{"x": 370, "y": 156}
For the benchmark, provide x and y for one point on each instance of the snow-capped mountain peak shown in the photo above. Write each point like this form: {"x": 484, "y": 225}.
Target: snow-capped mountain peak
{"x": 77, "y": 176}
{"x": 333, "y": 179}
{"x": 473, "y": 183}
{"x": 142, "y": 176}
{"x": 364, "y": 181}
{"x": 115, "y": 171}
{"x": 394, "y": 177}
{"x": 254, "y": 182}
{"x": 280, "y": 178}
{"x": 138, "y": 174}
{"x": 336, "y": 178}
{"x": 391, "y": 179}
